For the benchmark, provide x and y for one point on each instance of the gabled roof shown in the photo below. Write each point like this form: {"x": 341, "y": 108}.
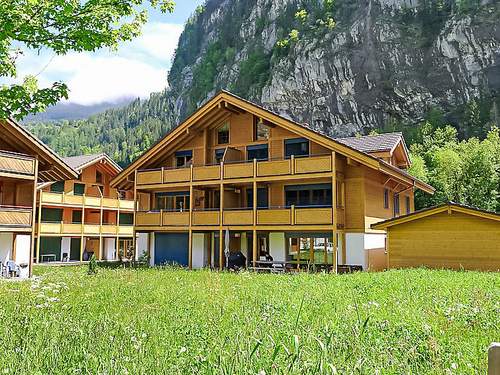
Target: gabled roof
{"x": 445, "y": 207}
{"x": 78, "y": 163}
{"x": 373, "y": 143}
{"x": 225, "y": 101}
{"x": 50, "y": 165}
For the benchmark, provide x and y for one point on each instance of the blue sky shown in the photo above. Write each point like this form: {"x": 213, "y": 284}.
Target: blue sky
{"x": 136, "y": 69}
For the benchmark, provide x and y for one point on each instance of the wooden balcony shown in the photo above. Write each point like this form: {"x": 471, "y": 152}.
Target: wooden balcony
{"x": 238, "y": 170}
{"x": 161, "y": 218}
{"x": 15, "y": 217}
{"x": 17, "y": 164}
{"x": 313, "y": 164}
{"x": 274, "y": 168}
{"x": 237, "y": 217}
{"x": 206, "y": 217}
{"x": 62, "y": 229}
{"x": 175, "y": 218}
{"x": 206, "y": 173}
{"x": 274, "y": 216}
{"x": 88, "y": 201}
{"x": 305, "y": 216}
{"x": 176, "y": 175}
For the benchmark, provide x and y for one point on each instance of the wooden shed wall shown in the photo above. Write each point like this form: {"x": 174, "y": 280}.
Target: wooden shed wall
{"x": 443, "y": 240}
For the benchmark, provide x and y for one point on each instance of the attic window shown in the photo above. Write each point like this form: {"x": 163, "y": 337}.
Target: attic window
{"x": 223, "y": 134}
{"x": 98, "y": 177}
{"x": 261, "y": 132}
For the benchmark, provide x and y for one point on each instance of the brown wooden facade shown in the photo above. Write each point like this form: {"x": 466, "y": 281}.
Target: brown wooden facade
{"x": 24, "y": 163}
{"x": 235, "y": 166}
{"x": 82, "y": 215}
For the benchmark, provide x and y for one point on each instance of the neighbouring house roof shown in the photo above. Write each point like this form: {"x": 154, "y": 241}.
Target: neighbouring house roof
{"x": 449, "y": 206}
{"x": 50, "y": 165}
{"x": 225, "y": 98}
{"x": 80, "y": 162}
{"x": 373, "y": 143}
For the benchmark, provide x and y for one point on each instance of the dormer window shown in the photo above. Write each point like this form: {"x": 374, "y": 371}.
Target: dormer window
{"x": 223, "y": 134}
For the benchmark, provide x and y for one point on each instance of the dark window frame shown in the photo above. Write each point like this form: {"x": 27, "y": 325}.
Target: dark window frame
{"x": 397, "y": 209}
{"x": 289, "y": 143}
{"x": 386, "y": 198}
{"x": 258, "y": 149}
{"x": 224, "y": 136}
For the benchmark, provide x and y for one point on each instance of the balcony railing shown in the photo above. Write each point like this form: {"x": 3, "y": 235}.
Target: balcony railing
{"x": 17, "y": 163}
{"x": 15, "y": 217}
{"x": 310, "y": 215}
{"x": 237, "y": 170}
{"x": 88, "y": 201}
{"x": 87, "y": 229}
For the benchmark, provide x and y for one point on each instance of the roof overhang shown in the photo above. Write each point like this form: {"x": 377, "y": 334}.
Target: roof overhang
{"x": 50, "y": 165}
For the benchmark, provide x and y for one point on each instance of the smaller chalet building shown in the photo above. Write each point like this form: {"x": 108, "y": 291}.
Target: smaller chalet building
{"x": 446, "y": 236}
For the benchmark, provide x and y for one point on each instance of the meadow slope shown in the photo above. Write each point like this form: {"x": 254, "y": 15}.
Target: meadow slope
{"x": 170, "y": 321}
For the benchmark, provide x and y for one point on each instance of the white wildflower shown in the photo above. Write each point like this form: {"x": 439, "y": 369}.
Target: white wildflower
{"x": 182, "y": 350}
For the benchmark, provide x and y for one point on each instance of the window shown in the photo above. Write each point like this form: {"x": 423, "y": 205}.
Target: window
{"x": 262, "y": 198}
{"x": 396, "y": 205}
{"x": 57, "y": 187}
{"x": 79, "y": 189}
{"x": 173, "y": 201}
{"x": 126, "y": 219}
{"x": 76, "y": 217}
{"x": 122, "y": 194}
{"x": 261, "y": 131}
{"x": 223, "y": 134}
{"x": 98, "y": 177}
{"x": 408, "y": 207}
{"x": 309, "y": 195}
{"x": 259, "y": 152}
{"x": 297, "y": 147}
{"x": 386, "y": 198}
{"x": 52, "y": 215}
{"x": 219, "y": 155}
{"x": 183, "y": 158}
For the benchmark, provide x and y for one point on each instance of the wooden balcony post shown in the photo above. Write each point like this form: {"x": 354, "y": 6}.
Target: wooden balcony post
{"x": 311, "y": 250}
{"x": 325, "y": 255}
{"x": 82, "y": 231}
{"x": 134, "y": 234}
{"x": 33, "y": 213}
{"x": 292, "y": 164}
{"x": 39, "y": 227}
{"x": 254, "y": 198}
{"x": 221, "y": 250}
{"x": 254, "y": 248}
{"x": 334, "y": 211}
{"x": 292, "y": 214}
{"x": 191, "y": 219}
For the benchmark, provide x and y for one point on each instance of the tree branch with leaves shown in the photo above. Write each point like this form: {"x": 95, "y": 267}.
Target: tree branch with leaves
{"x": 60, "y": 26}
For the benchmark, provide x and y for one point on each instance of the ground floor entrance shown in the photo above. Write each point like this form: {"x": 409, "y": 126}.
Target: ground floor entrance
{"x": 218, "y": 249}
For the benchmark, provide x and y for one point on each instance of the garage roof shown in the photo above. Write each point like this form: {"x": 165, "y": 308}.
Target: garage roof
{"x": 449, "y": 207}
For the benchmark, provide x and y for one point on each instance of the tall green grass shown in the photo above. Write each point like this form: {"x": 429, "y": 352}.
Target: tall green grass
{"x": 147, "y": 321}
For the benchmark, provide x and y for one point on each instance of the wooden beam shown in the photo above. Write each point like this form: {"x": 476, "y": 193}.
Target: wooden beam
{"x": 33, "y": 216}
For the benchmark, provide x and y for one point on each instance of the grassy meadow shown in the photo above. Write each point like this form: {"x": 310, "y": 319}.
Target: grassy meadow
{"x": 171, "y": 321}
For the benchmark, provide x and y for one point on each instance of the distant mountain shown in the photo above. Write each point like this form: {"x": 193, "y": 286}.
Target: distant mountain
{"x": 73, "y": 111}
{"x": 341, "y": 66}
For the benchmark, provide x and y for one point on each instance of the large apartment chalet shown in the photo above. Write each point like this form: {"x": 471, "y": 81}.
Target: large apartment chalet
{"x": 24, "y": 163}
{"x": 272, "y": 186}
{"x": 84, "y": 216}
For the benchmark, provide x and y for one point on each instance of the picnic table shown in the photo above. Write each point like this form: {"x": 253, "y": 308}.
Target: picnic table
{"x": 49, "y": 257}
{"x": 288, "y": 266}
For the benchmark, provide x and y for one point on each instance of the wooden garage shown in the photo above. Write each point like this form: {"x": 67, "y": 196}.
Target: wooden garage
{"x": 445, "y": 236}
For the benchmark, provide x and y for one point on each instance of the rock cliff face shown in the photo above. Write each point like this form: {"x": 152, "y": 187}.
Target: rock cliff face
{"x": 384, "y": 59}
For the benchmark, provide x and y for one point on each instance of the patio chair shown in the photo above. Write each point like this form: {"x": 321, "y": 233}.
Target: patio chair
{"x": 13, "y": 269}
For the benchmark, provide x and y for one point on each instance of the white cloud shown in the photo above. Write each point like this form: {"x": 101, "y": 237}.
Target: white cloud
{"x": 136, "y": 69}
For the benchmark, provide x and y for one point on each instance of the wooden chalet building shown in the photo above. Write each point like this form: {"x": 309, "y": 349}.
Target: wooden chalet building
{"x": 274, "y": 185}
{"x": 24, "y": 163}
{"x": 81, "y": 216}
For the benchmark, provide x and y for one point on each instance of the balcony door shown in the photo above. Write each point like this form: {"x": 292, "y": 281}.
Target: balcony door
{"x": 313, "y": 195}
{"x": 262, "y": 198}
{"x": 173, "y": 201}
